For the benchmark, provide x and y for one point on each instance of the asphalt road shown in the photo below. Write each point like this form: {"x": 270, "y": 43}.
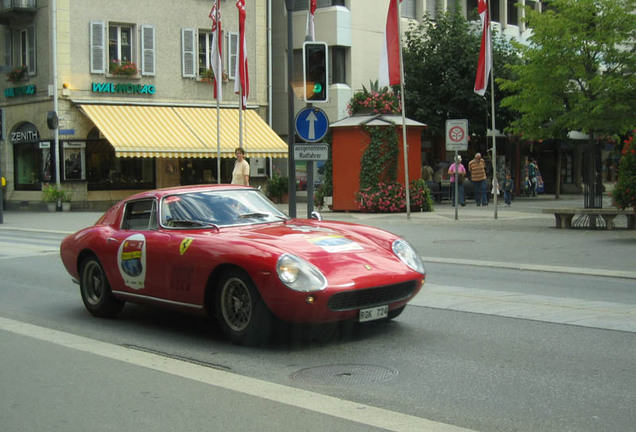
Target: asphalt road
{"x": 464, "y": 353}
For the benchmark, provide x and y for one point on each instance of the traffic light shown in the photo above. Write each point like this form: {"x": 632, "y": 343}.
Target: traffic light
{"x": 315, "y": 66}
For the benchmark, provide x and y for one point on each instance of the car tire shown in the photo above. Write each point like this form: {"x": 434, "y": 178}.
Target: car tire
{"x": 396, "y": 312}
{"x": 242, "y": 313}
{"x": 95, "y": 289}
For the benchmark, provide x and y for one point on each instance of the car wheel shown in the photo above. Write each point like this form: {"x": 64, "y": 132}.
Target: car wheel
{"x": 241, "y": 311}
{"x": 95, "y": 290}
{"x": 396, "y": 312}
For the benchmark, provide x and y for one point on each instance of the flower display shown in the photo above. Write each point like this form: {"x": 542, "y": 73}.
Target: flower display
{"x": 123, "y": 68}
{"x": 372, "y": 101}
{"x": 391, "y": 197}
{"x": 624, "y": 193}
{"x": 17, "y": 74}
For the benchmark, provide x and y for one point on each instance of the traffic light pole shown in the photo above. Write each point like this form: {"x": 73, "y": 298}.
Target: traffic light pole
{"x": 291, "y": 134}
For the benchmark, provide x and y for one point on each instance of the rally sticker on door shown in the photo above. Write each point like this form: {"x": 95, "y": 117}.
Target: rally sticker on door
{"x": 131, "y": 260}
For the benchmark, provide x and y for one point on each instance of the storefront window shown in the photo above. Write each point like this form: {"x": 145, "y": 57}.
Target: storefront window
{"x": 74, "y": 166}
{"x": 198, "y": 171}
{"x": 105, "y": 171}
{"x": 33, "y": 165}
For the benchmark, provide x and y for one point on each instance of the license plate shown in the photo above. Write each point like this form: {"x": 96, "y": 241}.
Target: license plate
{"x": 374, "y": 313}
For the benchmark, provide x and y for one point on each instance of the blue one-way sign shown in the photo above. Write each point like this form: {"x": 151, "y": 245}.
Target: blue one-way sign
{"x": 311, "y": 124}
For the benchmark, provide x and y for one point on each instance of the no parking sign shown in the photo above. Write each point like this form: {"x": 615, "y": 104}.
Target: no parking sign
{"x": 457, "y": 135}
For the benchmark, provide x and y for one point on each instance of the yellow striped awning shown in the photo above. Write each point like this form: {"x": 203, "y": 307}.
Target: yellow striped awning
{"x": 182, "y": 132}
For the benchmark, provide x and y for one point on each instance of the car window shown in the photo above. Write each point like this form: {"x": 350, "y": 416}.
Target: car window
{"x": 217, "y": 208}
{"x": 140, "y": 215}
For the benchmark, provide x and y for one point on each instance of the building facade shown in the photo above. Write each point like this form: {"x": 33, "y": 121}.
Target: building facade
{"x": 130, "y": 84}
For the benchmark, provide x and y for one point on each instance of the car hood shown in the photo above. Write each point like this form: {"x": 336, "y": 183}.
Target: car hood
{"x": 310, "y": 239}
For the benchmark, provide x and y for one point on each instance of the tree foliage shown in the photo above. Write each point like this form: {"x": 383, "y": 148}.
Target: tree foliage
{"x": 440, "y": 63}
{"x": 578, "y": 70}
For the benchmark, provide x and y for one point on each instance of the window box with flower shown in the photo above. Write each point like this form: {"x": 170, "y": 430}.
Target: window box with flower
{"x": 123, "y": 68}
{"x": 17, "y": 74}
{"x": 207, "y": 76}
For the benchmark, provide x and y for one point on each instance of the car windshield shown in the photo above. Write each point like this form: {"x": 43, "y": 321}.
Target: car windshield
{"x": 217, "y": 208}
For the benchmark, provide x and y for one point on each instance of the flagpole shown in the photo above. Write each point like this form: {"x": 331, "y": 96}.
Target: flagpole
{"x": 492, "y": 119}
{"x": 241, "y": 115}
{"x": 218, "y": 84}
{"x": 404, "y": 142}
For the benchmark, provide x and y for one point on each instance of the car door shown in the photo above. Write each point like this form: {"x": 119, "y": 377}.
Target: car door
{"x": 137, "y": 251}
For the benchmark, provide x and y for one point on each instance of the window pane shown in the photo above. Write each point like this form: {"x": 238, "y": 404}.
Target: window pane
{"x": 408, "y": 9}
{"x": 126, "y": 44}
{"x": 338, "y": 65}
{"x": 113, "y": 54}
{"x": 512, "y": 13}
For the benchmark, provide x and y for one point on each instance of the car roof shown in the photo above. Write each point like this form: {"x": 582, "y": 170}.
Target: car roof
{"x": 160, "y": 193}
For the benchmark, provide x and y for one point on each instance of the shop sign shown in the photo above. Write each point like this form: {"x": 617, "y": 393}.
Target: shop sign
{"x": 26, "y": 133}
{"x": 28, "y": 90}
{"x": 123, "y": 88}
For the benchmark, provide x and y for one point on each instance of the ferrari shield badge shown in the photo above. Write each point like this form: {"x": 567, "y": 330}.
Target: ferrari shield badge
{"x": 185, "y": 244}
{"x": 131, "y": 260}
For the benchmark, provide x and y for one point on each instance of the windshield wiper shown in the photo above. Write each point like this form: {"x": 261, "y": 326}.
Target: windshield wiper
{"x": 256, "y": 215}
{"x": 189, "y": 222}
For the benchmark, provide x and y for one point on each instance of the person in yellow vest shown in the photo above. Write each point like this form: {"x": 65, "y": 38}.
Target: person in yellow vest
{"x": 241, "y": 171}
{"x": 477, "y": 169}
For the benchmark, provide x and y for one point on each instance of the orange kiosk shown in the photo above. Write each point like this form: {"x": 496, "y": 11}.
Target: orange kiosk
{"x": 350, "y": 141}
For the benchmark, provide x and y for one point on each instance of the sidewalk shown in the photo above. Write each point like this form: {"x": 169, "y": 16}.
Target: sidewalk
{"x": 522, "y": 237}
{"x": 522, "y": 209}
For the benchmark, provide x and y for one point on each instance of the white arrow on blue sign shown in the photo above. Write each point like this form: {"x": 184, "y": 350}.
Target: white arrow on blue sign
{"x": 311, "y": 124}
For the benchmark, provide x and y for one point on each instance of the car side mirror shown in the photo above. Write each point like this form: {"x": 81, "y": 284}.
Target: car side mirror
{"x": 316, "y": 215}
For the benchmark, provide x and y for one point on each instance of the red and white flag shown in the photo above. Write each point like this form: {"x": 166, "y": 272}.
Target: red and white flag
{"x": 390, "y": 60}
{"x": 243, "y": 81}
{"x": 485, "y": 53}
{"x": 310, "y": 30}
{"x": 216, "y": 52}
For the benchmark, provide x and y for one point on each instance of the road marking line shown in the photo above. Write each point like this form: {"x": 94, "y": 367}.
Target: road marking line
{"x": 327, "y": 405}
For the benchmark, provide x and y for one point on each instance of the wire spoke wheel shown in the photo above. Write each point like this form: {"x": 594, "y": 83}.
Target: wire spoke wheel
{"x": 241, "y": 312}
{"x": 236, "y": 304}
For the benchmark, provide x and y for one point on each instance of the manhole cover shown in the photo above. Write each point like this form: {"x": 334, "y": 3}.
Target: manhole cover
{"x": 344, "y": 374}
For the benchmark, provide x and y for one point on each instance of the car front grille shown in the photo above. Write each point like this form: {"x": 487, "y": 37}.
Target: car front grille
{"x": 368, "y": 297}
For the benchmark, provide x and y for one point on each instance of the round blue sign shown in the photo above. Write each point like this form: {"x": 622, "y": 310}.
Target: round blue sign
{"x": 311, "y": 124}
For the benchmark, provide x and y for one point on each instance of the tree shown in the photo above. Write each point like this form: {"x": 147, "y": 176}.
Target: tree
{"x": 440, "y": 63}
{"x": 577, "y": 74}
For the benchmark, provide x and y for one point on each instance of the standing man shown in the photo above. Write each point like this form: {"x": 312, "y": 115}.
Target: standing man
{"x": 241, "y": 171}
{"x": 477, "y": 168}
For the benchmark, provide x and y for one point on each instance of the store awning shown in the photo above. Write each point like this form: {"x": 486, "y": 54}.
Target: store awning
{"x": 182, "y": 132}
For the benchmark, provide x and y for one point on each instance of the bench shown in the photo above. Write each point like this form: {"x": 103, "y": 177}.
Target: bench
{"x": 564, "y": 216}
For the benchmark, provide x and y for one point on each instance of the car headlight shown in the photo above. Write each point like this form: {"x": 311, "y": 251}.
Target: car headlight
{"x": 408, "y": 255}
{"x": 299, "y": 275}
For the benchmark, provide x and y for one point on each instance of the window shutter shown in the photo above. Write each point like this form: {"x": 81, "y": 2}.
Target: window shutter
{"x": 188, "y": 56}
{"x": 98, "y": 46}
{"x": 31, "y": 50}
{"x": 232, "y": 49}
{"x": 148, "y": 50}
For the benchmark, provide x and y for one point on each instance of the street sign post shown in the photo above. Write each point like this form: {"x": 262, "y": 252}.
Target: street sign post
{"x": 311, "y": 124}
{"x": 456, "y": 140}
{"x": 311, "y": 152}
{"x": 456, "y": 135}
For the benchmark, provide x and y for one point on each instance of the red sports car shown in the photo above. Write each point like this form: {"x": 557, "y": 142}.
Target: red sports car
{"x": 227, "y": 251}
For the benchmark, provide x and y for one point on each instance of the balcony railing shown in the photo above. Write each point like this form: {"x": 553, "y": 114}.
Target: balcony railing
{"x": 17, "y": 11}
{"x": 17, "y": 4}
